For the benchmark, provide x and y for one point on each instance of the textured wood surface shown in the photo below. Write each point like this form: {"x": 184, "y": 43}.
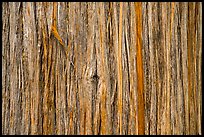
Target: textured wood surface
{"x": 101, "y": 68}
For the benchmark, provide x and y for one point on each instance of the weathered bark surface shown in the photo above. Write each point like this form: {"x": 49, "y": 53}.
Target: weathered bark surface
{"x": 101, "y": 68}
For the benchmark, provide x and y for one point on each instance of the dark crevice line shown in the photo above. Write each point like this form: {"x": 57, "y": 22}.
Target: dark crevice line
{"x": 148, "y": 103}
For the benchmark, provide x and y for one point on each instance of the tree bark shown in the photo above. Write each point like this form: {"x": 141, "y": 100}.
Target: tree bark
{"x": 101, "y": 68}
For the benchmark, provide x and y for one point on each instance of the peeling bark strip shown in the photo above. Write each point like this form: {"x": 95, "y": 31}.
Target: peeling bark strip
{"x": 101, "y": 68}
{"x": 119, "y": 58}
{"x": 138, "y": 10}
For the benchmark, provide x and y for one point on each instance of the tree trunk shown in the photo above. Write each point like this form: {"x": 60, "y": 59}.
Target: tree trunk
{"x": 101, "y": 68}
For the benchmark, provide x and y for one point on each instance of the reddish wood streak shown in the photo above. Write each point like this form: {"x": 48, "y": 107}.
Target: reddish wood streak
{"x": 138, "y": 10}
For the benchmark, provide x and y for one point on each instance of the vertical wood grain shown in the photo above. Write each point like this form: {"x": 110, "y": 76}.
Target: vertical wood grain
{"x": 101, "y": 68}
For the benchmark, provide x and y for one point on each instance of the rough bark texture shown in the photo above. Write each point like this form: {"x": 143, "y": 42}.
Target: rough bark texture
{"x": 101, "y": 68}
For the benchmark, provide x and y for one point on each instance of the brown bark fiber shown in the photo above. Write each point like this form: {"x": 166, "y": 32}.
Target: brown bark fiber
{"x": 101, "y": 68}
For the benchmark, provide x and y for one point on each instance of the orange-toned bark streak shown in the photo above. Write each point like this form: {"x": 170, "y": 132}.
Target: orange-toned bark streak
{"x": 103, "y": 99}
{"x": 54, "y": 14}
{"x": 54, "y": 29}
{"x": 140, "y": 86}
